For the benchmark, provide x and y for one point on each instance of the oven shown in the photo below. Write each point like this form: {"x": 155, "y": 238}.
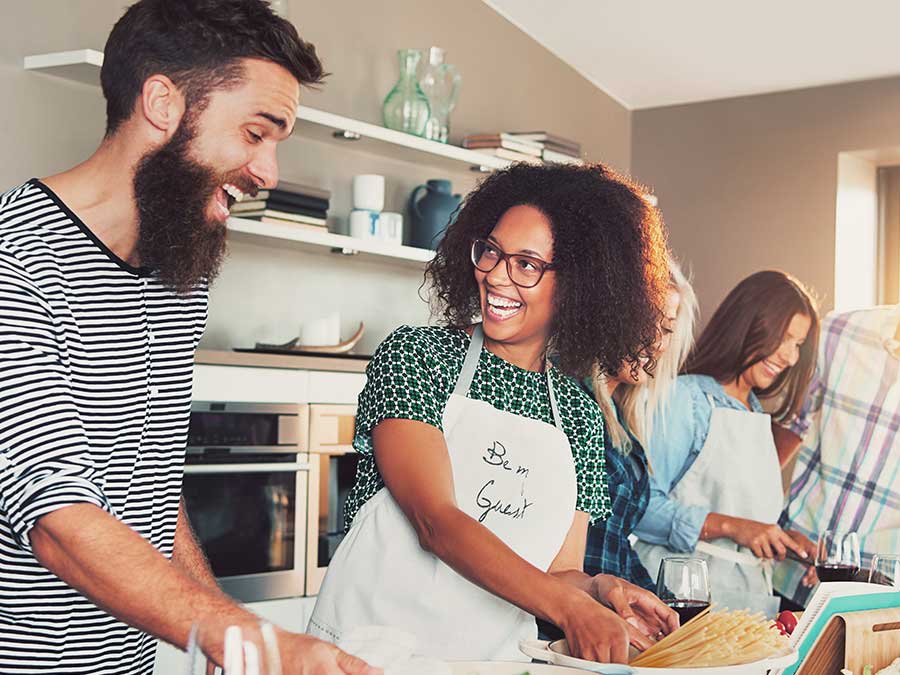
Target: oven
{"x": 246, "y": 491}
{"x": 333, "y": 473}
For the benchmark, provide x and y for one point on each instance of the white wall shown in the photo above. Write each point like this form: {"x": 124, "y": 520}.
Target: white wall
{"x": 856, "y": 233}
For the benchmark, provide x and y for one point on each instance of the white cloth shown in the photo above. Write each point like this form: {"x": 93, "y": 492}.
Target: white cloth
{"x": 513, "y": 474}
{"x": 737, "y": 474}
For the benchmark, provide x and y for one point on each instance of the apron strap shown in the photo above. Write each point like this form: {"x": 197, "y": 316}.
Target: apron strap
{"x": 557, "y": 420}
{"x": 464, "y": 381}
{"x": 473, "y": 354}
{"x": 740, "y": 558}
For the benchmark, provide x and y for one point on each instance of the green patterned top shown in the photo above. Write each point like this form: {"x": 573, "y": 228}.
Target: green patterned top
{"x": 412, "y": 375}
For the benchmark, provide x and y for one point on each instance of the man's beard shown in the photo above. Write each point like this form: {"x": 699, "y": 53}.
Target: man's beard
{"x": 173, "y": 192}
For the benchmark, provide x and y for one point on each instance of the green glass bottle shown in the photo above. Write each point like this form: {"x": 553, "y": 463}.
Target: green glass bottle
{"x": 406, "y": 106}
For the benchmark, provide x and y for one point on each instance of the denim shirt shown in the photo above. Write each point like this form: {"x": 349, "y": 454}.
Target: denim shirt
{"x": 679, "y": 434}
{"x": 608, "y": 550}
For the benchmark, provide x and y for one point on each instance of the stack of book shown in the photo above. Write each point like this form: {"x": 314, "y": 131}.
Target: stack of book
{"x": 535, "y": 147}
{"x": 301, "y": 205}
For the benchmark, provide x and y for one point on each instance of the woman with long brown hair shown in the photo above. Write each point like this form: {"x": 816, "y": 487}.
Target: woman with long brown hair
{"x": 716, "y": 489}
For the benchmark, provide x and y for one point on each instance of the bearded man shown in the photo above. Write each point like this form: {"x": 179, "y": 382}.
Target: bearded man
{"x": 103, "y": 294}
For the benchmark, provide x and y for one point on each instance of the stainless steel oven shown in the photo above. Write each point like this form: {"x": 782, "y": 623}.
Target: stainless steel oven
{"x": 333, "y": 460}
{"x": 246, "y": 490}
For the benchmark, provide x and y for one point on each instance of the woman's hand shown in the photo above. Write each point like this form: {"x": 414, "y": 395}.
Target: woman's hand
{"x": 596, "y": 633}
{"x": 766, "y": 540}
{"x": 810, "y": 578}
{"x": 638, "y": 607}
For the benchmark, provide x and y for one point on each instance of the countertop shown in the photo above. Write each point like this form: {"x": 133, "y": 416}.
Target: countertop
{"x": 217, "y": 357}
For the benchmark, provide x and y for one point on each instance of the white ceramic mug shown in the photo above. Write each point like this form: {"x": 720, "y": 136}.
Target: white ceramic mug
{"x": 364, "y": 224}
{"x": 368, "y": 192}
{"x": 390, "y": 227}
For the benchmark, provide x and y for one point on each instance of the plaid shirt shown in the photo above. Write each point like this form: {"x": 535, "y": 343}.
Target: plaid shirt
{"x": 847, "y": 475}
{"x": 608, "y": 549}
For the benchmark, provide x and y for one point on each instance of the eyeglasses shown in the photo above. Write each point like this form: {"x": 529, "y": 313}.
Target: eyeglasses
{"x": 523, "y": 270}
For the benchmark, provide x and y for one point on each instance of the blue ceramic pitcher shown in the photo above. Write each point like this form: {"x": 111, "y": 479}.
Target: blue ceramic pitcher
{"x": 430, "y": 214}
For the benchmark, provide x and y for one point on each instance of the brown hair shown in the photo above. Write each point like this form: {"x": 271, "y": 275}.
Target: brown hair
{"x": 749, "y": 326}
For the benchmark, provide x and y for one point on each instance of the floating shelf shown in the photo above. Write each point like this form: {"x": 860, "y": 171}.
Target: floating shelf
{"x": 83, "y": 65}
{"x": 324, "y": 241}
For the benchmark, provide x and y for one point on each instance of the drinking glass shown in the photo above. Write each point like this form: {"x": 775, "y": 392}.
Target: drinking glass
{"x": 249, "y": 650}
{"x": 885, "y": 570}
{"x": 837, "y": 556}
{"x": 683, "y": 584}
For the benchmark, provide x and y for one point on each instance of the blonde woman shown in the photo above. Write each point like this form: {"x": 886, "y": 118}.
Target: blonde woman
{"x": 628, "y": 400}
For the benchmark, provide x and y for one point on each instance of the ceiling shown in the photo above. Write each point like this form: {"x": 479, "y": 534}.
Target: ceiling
{"x": 652, "y": 53}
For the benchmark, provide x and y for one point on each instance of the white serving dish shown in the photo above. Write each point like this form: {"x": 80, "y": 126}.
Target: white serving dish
{"x": 509, "y": 668}
{"x": 557, "y": 653}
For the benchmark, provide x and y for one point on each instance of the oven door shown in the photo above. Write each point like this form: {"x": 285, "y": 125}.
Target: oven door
{"x": 333, "y": 473}
{"x": 249, "y": 513}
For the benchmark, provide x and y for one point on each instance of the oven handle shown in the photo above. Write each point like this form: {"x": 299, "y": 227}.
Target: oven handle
{"x": 287, "y": 449}
{"x": 279, "y": 467}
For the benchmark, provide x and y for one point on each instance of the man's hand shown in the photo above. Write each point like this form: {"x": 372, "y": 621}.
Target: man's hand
{"x": 98, "y": 556}
{"x": 638, "y": 607}
{"x": 305, "y": 655}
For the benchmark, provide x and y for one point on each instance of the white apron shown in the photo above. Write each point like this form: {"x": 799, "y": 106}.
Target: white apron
{"x": 513, "y": 474}
{"x": 736, "y": 473}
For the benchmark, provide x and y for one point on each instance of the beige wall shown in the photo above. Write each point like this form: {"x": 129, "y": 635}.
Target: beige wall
{"x": 750, "y": 183}
{"x": 265, "y": 292}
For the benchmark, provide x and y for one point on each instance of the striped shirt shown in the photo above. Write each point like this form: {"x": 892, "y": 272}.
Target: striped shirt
{"x": 847, "y": 475}
{"x": 96, "y": 362}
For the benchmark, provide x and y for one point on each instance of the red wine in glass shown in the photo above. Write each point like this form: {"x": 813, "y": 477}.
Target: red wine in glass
{"x": 837, "y": 556}
{"x": 836, "y": 572}
{"x": 687, "y": 609}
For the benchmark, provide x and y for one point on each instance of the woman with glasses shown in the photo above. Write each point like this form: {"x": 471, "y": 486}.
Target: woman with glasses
{"x": 482, "y": 463}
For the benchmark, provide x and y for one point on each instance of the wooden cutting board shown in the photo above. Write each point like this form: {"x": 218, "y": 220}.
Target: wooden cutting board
{"x": 853, "y": 640}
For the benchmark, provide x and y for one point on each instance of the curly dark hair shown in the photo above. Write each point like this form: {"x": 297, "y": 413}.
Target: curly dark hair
{"x": 198, "y": 44}
{"x": 609, "y": 253}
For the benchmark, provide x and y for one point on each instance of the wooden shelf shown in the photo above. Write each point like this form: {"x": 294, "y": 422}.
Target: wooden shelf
{"x": 83, "y": 65}
{"x": 327, "y": 362}
{"x": 323, "y": 242}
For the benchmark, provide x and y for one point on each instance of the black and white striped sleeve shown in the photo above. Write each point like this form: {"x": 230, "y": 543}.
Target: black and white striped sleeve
{"x": 45, "y": 459}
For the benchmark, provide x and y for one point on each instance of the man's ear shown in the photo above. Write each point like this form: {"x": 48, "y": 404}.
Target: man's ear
{"x": 162, "y": 104}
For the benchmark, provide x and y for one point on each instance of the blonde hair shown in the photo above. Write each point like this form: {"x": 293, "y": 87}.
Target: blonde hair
{"x": 641, "y": 403}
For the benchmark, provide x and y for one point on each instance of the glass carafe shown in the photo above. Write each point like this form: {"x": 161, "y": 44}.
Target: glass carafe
{"x": 440, "y": 81}
{"x": 406, "y": 106}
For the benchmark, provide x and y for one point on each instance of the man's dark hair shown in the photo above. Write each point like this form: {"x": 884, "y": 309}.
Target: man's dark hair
{"x": 198, "y": 44}
{"x": 609, "y": 255}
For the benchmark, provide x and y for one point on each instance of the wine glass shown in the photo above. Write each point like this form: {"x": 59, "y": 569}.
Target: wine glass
{"x": 837, "y": 556}
{"x": 885, "y": 570}
{"x": 248, "y": 650}
{"x": 683, "y": 584}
